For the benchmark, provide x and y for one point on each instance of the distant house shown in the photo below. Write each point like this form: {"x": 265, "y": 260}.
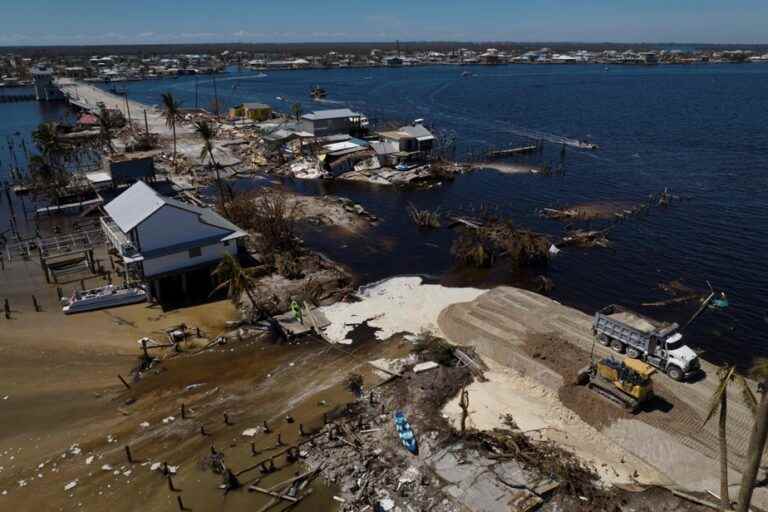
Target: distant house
{"x": 167, "y": 243}
{"x": 393, "y": 61}
{"x": 254, "y": 111}
{"x": 321, "y": 123}
{"x": 410, "y": 139}
{"x": 124, "y": 169}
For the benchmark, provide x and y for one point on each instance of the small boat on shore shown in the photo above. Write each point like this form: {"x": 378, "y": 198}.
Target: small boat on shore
{"x": 105, "y": 297}
{"x": 407, "y": 437}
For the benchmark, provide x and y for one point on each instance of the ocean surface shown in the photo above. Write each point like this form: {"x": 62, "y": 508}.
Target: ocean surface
{"x": 698, "y": 131}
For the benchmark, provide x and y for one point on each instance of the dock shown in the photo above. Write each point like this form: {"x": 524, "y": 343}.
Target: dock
{"x": 501, "y": 153}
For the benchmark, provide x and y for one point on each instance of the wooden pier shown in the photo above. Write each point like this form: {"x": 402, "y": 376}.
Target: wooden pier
{"x": 501, "y": 153}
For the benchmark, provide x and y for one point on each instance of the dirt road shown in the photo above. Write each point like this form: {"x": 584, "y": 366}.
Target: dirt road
{"x": 499, "y": 325}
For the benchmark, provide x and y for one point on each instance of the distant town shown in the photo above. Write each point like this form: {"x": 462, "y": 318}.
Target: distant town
{"x": 142, "y": 63}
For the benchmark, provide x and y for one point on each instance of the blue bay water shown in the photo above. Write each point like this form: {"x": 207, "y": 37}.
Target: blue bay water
{"x": 697, "y": 130}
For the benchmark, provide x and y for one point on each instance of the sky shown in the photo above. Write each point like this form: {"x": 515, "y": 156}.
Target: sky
{"x": 79, "y": 22}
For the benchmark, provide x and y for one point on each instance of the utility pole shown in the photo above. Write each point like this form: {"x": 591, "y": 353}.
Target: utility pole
{"x": 128, "y": 109}
{"x": 215, "y": 94}
{"x": 146, "y": 123}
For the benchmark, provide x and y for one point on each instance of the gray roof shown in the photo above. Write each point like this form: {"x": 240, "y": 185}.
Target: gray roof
{"x": 140, "y": 201}
{"x": 337, "y": 113}
{"x": 418, "y": 131}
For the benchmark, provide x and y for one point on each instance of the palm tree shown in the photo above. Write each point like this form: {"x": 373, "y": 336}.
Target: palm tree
{"x": 236, "y": 279}
{"x": 297, "y": 110}
{"x": 207, "y": 132}
{"x": 171, "y": 113}
{"x": 757, "y": 438}
{"x": 48, "y": 172}
{"x": 47, "y": 141}
{"x": 107, "y": 124}
{"x": 726, "y": 375}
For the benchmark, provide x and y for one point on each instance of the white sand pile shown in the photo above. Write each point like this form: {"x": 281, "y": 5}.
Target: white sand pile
{"x": 537, "y": 411}
{"x": 400, "y": 304}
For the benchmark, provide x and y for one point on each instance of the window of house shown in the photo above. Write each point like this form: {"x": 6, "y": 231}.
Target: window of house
{"x": 195, "y": 252}
{"x": 226, "y": 243}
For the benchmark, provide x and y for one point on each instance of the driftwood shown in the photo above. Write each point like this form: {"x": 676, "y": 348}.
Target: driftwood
{"x": 675, "y": 300}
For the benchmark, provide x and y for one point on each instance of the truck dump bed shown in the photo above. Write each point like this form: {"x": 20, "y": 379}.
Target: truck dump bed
{"x": 634, "y": 320}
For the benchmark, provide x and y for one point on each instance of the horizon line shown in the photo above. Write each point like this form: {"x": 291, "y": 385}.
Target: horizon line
{"x": 347, "y": 43}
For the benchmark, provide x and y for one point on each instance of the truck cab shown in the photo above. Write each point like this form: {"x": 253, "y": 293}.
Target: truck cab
{"x": 674, "y": 357}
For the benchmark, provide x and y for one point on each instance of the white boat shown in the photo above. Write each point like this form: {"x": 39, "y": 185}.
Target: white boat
{"x": 105, "y": 297}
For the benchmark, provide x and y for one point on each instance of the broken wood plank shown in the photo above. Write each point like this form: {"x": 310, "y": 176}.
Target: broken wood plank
{"x": 272, "y": 493}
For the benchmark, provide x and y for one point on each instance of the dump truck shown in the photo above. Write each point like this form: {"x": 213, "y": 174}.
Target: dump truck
{"x": 657, "y": 343}
{"x": 627, "y": 383}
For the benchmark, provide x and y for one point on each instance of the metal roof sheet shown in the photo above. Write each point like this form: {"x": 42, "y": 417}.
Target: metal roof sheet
{"x": 136, "y": 204}
{"x": 330, "y": 114}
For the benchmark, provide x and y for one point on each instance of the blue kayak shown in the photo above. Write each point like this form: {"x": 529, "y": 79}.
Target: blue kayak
{"x": 405, "y": 432}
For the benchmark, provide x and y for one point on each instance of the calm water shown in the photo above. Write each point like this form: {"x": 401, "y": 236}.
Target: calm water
{"x": 698, "y": 130}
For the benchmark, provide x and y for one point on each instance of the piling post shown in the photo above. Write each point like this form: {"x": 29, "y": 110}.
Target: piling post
{"x": 35, "y": 304}
{"x": 128, "y": 454}
{"x": 227, "y": 420}
{"x": 267, "y": 430}
{"x": 82, "y": 284}
{"x": 171, "y": 487}
{"x": 181, "y": 504}
{"x": 280, "y": 439}
{"x": 127, "y": 386}
{"x": 183, "y": 408}
{"x": 7, "y": 308}
{"x": 202, "y": 430}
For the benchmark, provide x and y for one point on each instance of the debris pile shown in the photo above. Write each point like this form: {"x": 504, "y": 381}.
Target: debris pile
{"x": 483, "y": 246}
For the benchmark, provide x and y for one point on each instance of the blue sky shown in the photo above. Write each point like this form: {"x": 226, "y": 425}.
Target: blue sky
{"x": 31, "y": 22}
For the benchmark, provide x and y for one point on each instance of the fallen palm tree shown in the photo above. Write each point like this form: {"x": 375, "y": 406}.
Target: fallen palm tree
{"x": 584, "y": 238}
{"x": 424, "y": 218}
{"x": 483, "y": 246}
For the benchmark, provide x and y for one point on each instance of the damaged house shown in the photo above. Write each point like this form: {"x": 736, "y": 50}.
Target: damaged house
{"x": 169, "y": 244}
{"x": 410, "y": 143}
{"x": 322, "y": 123}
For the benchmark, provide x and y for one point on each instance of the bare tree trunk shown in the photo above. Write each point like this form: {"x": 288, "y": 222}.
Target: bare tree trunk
{"x": 754, "y": 452}
{"x": 725, "y": 500}
{"x": 173, "y": 127}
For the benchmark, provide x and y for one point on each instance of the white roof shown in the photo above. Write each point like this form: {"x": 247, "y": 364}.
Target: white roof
{"x": 330, "y": 114}
{"x": 140, "y": 201}
{"x": 133, "y": 206}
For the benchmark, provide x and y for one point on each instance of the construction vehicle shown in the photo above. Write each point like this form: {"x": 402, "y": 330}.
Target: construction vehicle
{"x": 654, "y": 342}
{"x": 627, "y": 383}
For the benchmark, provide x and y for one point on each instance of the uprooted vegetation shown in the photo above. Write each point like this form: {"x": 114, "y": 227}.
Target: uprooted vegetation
{"x": 271, "y": 217}
{"x": 424, "y": 218}
{"x": 284, "y": 269}
{"x": 483, "y": 246}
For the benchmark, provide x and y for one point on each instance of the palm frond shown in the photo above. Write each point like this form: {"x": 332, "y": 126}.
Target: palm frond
{"x": 725, "y": 375}
{"x": 750, "y": 400}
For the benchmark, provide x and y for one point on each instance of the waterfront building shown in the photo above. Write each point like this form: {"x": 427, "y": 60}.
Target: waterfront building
{"x": 169, "y": 244}
{"x": 321, "y": 123}
{"x": 45, "y": 88}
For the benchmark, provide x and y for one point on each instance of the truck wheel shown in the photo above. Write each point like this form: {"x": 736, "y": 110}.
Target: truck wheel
{"x": 675, "y": 373}
{"x": 603, "y": 339}
{"x": 633, "y": 353}
{"x": 617, "y": 346}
